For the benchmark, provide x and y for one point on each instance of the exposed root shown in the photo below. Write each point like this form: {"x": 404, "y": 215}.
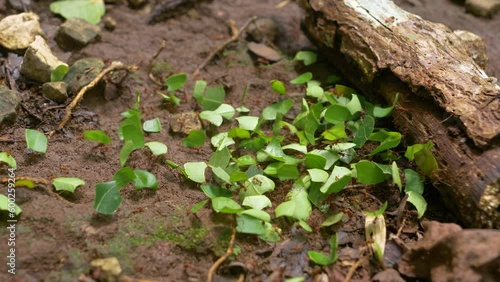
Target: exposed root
{"x": 235, "y": 35}
{"x": 229, "y": 251}
{"x": 69, "y": 109}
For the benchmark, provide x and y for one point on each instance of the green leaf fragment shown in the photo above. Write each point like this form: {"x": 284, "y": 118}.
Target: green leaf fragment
{"x": 301, "y": 79}
{"x": 8, "y": 159}
{"x": 58, "y": 73}
{"x": 278, "y": 86}
{"x": 89, "y": 10}
{"x": 196, "y": 138}
{"x": 5, "y": 205}
{"x": 369, "y": 173}
{"x": 418, "y": 201}
{"x": 36, "y": 141}
{"x": 257, "y": 202}
{"x": 67, "y": 183}
{"x": 198, "y": 206}
{"x": 175, "y": 81}
{"x": 144, "y": 179}
{"x": 333, "y": 219}
{"x": 196, "y": 171}
{"x": 157, "y": 148}
{"x": 152, "y": 125}
{"x": 307, "y": 57}
{"x": 107, "y": 198}
{"x": 97, "y": 135}
{"x": 225, "y": 205}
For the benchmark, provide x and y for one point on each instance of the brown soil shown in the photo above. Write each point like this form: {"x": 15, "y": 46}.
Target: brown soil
{"x": 153, "y": 234}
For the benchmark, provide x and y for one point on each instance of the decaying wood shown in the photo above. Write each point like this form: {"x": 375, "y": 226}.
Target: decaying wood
{"x": 446, "y": 97}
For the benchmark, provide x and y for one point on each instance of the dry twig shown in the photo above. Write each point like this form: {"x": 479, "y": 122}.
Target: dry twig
{"x": 355, "y": 266}
{"x": 114, "y": 66}
{"x": 229, "y": 251}
{"x": 236, "y": 34}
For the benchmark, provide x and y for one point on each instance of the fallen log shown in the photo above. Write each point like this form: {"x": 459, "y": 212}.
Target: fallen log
{"x": 446, "y": 97}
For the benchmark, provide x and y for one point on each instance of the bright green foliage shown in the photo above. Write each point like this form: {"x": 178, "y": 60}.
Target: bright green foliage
{"x": 307, "y": 57}
{"x": 36, "y": 141}
{"x": 4, "y": 206}
{"x": 124, "y": 176}
{"x": 323, "y": 157}
{"x": 196, "y": 138}
{"x": 107, "y": 197}
{"x": 322, "y": 259}
{"x": 199, "y": 206}
{"x": 157, "y": 148}
{"x": 152, "y": 125}
{"x": 333, "y": 219}
{"x": 423, "y": 157}
{"x": 301, "y": 79}
{"x": 278, "y": 86}
{"x": 58, "y": 73}
{"x": 196, "y": 171}
{"x": 97, "y": 136}
{"x": 175, "y": 82}
{"x": 67, "y": 183}
{"x": 144, "y": 179}
{"x": 89, "y": 10}
{"x": 7, "y": 158}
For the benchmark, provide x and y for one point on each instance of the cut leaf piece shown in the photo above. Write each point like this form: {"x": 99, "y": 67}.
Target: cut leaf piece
{"x": 145, "y": 179}
{"x": 257, "y": 202}
{"x": 333, "y": 219}
{"x": 338, "y": 179}
{"x": 199, "y": 206}
{"x": 213, "y": 191}
{"x": 8, "y": 159}
{"x": 272, "y": 111}
{"x": 375, "y": 232}
{"x": 248, "y": 122}
{"x": 225, "y": 205}
{"x": 301, "y": 79}
{"x": 307, "y": 57}
{"x": 124, "y": 176}
{"x": 97, "y": 135}
{"x": 58, "y": 73}
{"x": 36, "y": 141}
{"x": 418, "y": 201}
{"x": 6, "y": 206}
{"x": 89, "y": 10}
{"x": 107, "y": 198}
{"x": 369, "y": 173}
{"x": 152, "y": 125}
{"x": 196, "y": 171}
{"x": 278, "y": 86}
{"x": 262, "y": 215}
{"x": 196, "y": 138}
{"x": 157, "y": 148}
{"x": 175, "y": 81}
{"x": 414, "y": 182}
{"x": 250, "y": 225}
{"x": 211, "y": 116}
{"x": 67, "y": 183}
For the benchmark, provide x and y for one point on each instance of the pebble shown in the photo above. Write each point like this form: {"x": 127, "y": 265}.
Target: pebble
{"x": 76, "y": 33}
{"x": 18, "y": 31}
{"x": 81, "y": 73}
{"x": 9, "y": 102}
{"x": 482, "y": 8}
{"x": 55, "y": 91}
{"x": 185, "y": 122}
{"x": 39, "y": 62}
{"x": 263, "y": 29}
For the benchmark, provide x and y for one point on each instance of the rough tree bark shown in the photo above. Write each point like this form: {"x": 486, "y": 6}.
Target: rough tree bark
{"x": 446, "y": 97}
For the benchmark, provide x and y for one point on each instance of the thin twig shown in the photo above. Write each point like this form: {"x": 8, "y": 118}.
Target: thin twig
{"x": 282, "y": 4}
{"x": 234, "y": 37}
{"x": 114, "y": 66}
{"x": 229, "y": 252}
{"x": 355, "y": 266}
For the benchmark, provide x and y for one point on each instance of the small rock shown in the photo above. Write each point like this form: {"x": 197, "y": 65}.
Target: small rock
{"x": 9, "y": 101}
{"x": 109, "y": 23}
{"x": 81, "y": 73}
{"x": 55, "y": 91}
{"x": 263, "y": 29}
{"x": 107, "y": 269}
{"x": 388, "y": 275}
{"x": 76, "y": 33}
{"x": 39, "y": 62}
{"x": 137, "y": 4}
{"x": 263, "y": 51}
{"x": 185, "y": 122}
{"x": 482, "y": 8}
{"x": 20, "y": 5}
{"x": 19, "y": 31}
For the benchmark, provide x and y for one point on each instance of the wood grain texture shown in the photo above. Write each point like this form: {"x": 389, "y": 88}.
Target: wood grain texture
{"x": 445, "y": 96}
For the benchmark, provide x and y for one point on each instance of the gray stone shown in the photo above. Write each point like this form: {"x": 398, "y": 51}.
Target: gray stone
{"x": 262, "y": 29}
{"x": 19, "y": 31}
{"x": 55, "y": 91}
{"x": 76, "y": 33}
{"x": 39, "y": 62}
{"x": 109, "y": 23}
{"x": 9, "y": 101}
{"x": 81, "y": 73}
{"x": 482, "y": 8}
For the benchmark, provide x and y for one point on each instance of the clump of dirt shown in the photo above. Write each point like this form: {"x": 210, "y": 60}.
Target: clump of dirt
{"x": 153, "y": 234}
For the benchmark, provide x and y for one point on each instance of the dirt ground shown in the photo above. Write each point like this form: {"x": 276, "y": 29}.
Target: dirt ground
{"x": 153, "y": 234}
